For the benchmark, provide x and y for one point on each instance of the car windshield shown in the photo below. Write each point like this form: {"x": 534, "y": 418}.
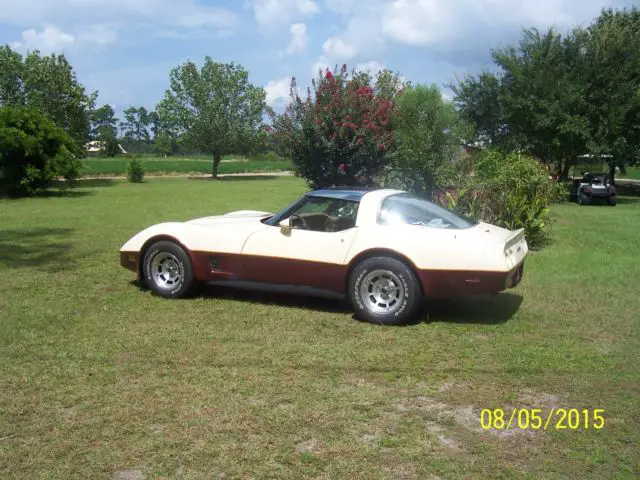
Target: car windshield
{"x": 407, "y": 209}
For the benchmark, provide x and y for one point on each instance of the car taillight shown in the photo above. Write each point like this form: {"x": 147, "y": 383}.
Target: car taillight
{"x": 586, "y": 189}
{"x": 613, "y": 189}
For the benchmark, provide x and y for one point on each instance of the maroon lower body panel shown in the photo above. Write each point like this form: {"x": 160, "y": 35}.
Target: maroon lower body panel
{"x": 211, "y": 266}
{"x": 280, "y": 271}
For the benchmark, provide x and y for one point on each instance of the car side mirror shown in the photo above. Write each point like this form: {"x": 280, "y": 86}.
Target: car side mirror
{"x": 285, "y": 226}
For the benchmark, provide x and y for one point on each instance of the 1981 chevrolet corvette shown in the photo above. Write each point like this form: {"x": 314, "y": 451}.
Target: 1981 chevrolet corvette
{"x": 386, "y": 250}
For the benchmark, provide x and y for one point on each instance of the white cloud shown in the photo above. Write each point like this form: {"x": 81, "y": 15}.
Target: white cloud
{"x": 373, "y": 26}
{"x": 299, "y": 39}
{"x": 318, "y": 65}
{"x": 344, "y": 7}
{"x": 274, "y": 13}
{"x": 151, "y": 14}
{"x": 278, "y": 92}
{"x": 53, "y": 39}
{"x": 99, "y": 34}
{"x": 431, "y": 22}
{"x": 374, "y": 67}
{"x": 418, "y": 22}
{"x": 339, "y": 49}
{"x": 50, "y": 39}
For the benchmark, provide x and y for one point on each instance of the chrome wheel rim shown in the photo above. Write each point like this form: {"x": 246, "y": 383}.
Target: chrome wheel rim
{"x": 167, "y": 271}
{"x": 382, "y": 291}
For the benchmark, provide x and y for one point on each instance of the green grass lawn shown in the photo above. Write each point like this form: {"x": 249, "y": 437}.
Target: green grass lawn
{"x": 182, "y": 165}
{"x": 99, "y": 378}
{"x": 632, "y": 173}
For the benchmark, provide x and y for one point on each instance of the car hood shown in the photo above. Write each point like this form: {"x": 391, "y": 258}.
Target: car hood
{"x": 241, "y": 216}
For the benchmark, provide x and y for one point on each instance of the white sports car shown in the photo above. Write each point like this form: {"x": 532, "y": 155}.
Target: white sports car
{"x": 386, "y": 250}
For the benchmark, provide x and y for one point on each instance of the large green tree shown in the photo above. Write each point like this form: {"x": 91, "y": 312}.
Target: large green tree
{"x": 214, "y": 109}
{"x": 560, "y": 96}
{"x": 611, "y": 66}
{"x": 429, "y": 134}
{"x": 136, "y": 124}
{"x": 104, "y": 123}
{"x": 535, "y": 102}
{"x": 47, "y": 84}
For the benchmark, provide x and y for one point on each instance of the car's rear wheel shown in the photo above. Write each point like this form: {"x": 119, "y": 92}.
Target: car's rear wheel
{"x": 612, "y": 201}
{"x": 384, "y": 290}
{"x": 167, "y": 270}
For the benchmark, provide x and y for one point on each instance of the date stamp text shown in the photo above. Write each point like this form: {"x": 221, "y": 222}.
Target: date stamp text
{"x": 537, "y": 419}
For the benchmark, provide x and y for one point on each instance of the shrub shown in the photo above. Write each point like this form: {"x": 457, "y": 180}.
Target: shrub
{"x": 165, "y": 145}
{"x": 512, "y": 191}
{"x": 135, "y": 170}
{"x": 34, "y": 151}
{"x": 269, "y": 156}
{"x": 342, "y": 133}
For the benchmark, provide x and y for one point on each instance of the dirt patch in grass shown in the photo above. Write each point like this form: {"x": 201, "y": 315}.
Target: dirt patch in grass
{"x": 128, "y": 474}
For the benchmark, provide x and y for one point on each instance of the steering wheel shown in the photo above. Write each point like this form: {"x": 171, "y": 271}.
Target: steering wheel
{"x": 296, "y": 221}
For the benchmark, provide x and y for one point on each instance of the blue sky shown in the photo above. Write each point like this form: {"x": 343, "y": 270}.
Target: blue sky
{"x": 126, "y": 48}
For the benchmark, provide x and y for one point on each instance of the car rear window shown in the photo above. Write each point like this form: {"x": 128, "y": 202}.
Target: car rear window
{"x": 407, "y": 209}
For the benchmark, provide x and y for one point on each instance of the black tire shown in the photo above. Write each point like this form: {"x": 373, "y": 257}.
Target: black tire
{"x": 400, "y": 276}
{"x": 167, "y": 255}
{"x": 612, "y": 201}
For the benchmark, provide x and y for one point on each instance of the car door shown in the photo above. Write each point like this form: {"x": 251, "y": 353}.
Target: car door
{"x": 301, "y": 256}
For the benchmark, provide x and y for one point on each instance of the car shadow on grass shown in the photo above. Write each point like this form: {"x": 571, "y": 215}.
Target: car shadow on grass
{"x": 46, "y": 249}
{"x": 319, "y": 304}
{"x": 482, "y": 310}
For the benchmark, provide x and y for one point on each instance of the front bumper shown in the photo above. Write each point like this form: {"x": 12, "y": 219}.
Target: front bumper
{"x": 130, "y": 261}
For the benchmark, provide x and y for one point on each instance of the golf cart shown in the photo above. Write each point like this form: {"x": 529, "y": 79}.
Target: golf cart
{"x": 593, "y": 181}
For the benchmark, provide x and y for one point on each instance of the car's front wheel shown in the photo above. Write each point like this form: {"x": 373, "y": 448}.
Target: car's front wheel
{"x": 384, "y": 290}
{"x": 167, "y": 270}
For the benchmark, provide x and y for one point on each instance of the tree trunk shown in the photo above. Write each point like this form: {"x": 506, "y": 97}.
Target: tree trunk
{"x": 216, "y": 161}
{"x": 612, "y": 173}
{"x": 564, "y": 171}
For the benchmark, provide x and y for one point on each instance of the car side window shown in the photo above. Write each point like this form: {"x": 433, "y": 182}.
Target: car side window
{"x": 321, "y": 214}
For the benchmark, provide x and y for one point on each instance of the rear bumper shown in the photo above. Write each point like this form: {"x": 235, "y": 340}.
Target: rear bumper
{"x": 600, "y": 195}
{"x": 443, "y": 284}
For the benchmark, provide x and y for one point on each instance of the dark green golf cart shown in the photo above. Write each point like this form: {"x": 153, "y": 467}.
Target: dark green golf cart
{"x": 592, "y": 180}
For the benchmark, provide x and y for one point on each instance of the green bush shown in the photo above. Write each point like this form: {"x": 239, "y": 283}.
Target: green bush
{"x": 512, "y": 191}
{"x": 269, "y": 156}
{"x": 135, "y": 170}
{"x": 34, "y": 151}
{"x": 165, "y": 145}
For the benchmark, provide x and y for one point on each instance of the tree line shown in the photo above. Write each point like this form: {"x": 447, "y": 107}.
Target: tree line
{"x": 559, "y": 96}
{"x": 552, "y": 96}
